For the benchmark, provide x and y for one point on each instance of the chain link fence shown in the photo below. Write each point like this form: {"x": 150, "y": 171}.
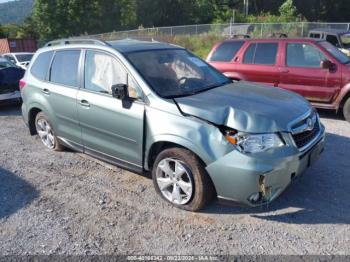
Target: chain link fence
{"x": 258, "y": 30}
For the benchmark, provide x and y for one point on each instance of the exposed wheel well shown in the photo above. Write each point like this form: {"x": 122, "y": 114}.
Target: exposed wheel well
{"x": 158, "y": 147}
{"x": 345, "y": 98}
{"x": 31, "y": 120}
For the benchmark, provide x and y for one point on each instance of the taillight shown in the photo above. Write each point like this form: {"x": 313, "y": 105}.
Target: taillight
{"x": 22, "y": 84}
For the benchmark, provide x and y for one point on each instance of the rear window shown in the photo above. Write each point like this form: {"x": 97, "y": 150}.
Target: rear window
{"x": 261, "y": 54}
{"x": 41, "y": 65}
{"x": 315, "y": 35}
{"x": 226, "y": 51}
{"x": 65, "y": 66}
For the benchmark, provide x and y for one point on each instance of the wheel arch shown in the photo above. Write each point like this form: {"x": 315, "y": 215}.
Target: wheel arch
{"x": 159, "y": 146}
{"x": 344, "y": 99}
{"x": 32, "y": 113}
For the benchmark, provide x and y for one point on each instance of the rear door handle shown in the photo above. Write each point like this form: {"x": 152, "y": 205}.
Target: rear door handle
{"x": 84, "y": 103}
{"x": 46, "y": 91}
{"x": 284, "y": 71}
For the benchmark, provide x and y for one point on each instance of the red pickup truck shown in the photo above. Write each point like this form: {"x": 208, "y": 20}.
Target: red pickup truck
{"x": 313, "y": 68}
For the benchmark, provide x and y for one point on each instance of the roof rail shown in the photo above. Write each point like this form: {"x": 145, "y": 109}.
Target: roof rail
{"x": 68, "y": 41}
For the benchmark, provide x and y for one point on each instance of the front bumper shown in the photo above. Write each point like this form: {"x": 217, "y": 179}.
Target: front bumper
{"x": 259, "y": 179}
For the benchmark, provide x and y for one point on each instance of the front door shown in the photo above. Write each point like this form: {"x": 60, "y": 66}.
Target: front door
{"x": 110, "y": 130}
{"x": 302, "y": 73}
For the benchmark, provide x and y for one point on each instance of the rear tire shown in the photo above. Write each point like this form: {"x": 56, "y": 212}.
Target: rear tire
{"x": 346, "y": 110}
{"x": 184, "y": 183}
{"x": 46, "y": 133}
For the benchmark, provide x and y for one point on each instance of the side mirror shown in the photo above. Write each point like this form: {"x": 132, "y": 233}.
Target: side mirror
{"x": 120, "y": 91}
{"x": 326, "y": 64}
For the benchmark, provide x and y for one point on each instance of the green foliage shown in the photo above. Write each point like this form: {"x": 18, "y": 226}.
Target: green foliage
{"x": 10, "y": 30}
{"x": 200, "y": 45}
{"x": 2, "y": 33}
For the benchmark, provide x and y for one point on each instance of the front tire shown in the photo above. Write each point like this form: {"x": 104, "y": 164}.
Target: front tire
{"x": 180, "y": 178}
{"x": 346, "y": 110}
{"x": 46, "y": 133}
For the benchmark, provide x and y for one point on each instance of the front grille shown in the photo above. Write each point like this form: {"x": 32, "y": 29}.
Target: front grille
{"x": 304, "y": 138}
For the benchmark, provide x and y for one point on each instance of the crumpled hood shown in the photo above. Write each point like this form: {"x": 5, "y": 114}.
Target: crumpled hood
{"x": 246, "y": 107}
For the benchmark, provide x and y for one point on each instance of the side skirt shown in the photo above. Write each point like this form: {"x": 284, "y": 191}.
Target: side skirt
{"x": 103, "y": 157}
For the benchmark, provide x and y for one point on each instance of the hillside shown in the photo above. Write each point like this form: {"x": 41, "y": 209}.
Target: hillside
{"x": 15, "y": 12}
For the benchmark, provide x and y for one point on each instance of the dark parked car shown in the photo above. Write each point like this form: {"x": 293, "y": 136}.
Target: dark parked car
{"x": 313, "y": 68}
{"x": 10, "y": 75}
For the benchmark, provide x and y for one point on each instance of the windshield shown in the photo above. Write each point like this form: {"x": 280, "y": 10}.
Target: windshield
{"x": 340, "y": 56}
{"x": 24, "y": 57}
{"x": 175, "y": 72}
{"x": 345, "y": 39}
{"x": 4, "y": 63}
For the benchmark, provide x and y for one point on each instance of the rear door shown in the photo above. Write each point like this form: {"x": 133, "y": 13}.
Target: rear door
{"x": 110, "y": 129}
{"x": 259, "y": 63}
{"x": 61, "y": 93}
{"x": 302, "y": 72}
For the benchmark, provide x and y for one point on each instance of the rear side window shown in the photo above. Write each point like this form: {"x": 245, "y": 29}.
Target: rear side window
{"x": 226, "y": 51}
{"x": 65, "y": 66}
{"x": 41, "y": 65}
{"x": 261, "y": 54}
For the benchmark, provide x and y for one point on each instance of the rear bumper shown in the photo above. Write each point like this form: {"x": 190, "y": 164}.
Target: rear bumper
{"x": 258, "y": 180}
{"x": 8, "y": 98}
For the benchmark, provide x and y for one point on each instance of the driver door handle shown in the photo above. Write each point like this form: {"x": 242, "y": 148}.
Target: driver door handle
{"x": 84, "y": 103}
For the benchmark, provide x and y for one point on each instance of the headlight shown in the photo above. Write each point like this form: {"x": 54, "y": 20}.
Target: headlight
{"x": 253, "y": 143}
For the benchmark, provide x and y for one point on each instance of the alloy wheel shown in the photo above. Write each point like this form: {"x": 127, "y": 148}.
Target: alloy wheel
{"x": 174, "y": 181}
{"x": 45, "y": 133}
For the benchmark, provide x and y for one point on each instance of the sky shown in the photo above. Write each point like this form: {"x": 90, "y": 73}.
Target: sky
{"x": 3, "y": 1}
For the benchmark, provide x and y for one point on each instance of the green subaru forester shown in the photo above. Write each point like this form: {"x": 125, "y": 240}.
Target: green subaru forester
{"x": 155, "y": 107}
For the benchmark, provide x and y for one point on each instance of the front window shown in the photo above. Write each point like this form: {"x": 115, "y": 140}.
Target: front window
{"x": 102, "y": 71}
{"x": 303, "y": 55}
{"x": 340, "y": 56}
{"x": 24, "y": 57}
{"x": 345, "y": 40}
{"x": 175, "y": 72}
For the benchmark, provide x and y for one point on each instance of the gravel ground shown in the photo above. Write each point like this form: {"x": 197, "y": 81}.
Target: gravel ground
{"x": 64, "y": 203}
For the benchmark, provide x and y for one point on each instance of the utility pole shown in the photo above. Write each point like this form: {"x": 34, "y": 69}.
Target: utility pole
{"x": 246, "y": 7}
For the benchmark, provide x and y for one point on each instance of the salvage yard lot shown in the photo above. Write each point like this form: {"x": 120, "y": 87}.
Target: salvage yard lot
{"x": 64, "y": 203}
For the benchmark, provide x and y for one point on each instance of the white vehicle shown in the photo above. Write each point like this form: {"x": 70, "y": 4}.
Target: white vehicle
{"x": 19, "y": 59}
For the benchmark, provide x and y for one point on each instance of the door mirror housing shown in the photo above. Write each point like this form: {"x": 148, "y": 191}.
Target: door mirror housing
{"x": 326, "y": 64}
{"x": 120, "y": 91}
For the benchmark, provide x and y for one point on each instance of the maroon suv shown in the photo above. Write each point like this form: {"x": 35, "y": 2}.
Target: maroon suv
{"x": 315, "y": 69}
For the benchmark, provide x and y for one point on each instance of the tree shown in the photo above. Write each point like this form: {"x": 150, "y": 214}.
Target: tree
{"x": 65, "y": 18}
{"x": 2, "y": 34}
{"x": 28, "y": 29}
{"x": 288, "y": 11}
{"x": 10, "y": 30}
